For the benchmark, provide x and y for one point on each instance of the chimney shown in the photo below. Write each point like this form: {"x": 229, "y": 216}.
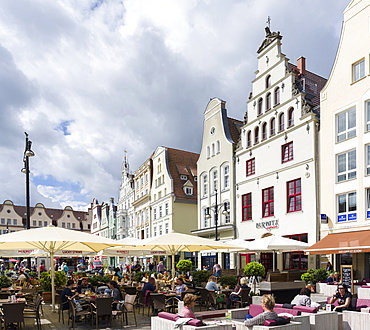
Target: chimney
{"x": 301, "y": 65}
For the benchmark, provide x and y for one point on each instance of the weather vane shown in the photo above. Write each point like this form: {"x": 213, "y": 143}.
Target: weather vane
{"x": 268, "y": 21}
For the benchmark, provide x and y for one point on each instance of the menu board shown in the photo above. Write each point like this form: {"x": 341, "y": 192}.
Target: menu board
{"x": 346, "y": 275}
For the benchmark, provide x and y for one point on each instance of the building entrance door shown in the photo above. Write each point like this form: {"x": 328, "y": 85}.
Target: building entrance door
{"x": 266, "y": 260}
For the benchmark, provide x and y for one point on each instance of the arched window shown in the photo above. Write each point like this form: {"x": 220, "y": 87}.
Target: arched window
{"x": 290, "y": 117}
{"x": 249, "y": 138}
{"x": 281, "y": 122}
{"x": 264, "y": 131}
{"x": 268, "y": 101}
{"x": 260, "y": 106}
{"x": 256, "y": 133}
{"x": 208, "y": 152}
{"x": 218, "y": 147}
{"x": 277, "y": 96}
{"x": 272, "y": 126}
{"x": 268, "y": 81}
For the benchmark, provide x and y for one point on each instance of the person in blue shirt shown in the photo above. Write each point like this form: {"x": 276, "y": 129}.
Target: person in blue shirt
{"x": 149, "y": 286}
{"x": 211, "y": 285}
{"x": 330, "y": 279}
{"x": 67, "y": 292}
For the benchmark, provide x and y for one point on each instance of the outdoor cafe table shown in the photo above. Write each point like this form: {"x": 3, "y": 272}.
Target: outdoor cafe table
{"x": 6, "y": 301}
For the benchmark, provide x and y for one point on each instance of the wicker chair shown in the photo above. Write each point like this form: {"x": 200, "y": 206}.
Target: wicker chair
{"x": 73, "y": 313}
{"x": 129, "y": 307}
{"x": 244, "y": 298}
{"x": 102, "y": 307}
{"x": 32, "y": 311}
{"x": 12, "y": 313}
{"x": 131, "y": 290}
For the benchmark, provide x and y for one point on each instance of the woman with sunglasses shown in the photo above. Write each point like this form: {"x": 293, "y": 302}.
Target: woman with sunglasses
{"x": 344, "y": 298}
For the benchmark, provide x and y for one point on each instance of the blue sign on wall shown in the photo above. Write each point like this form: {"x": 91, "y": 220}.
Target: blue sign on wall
{"x": 352, "y": 216}
{"x": 323, "y": 216}
{"x": 342, "y": 217}
{"x": 368, "y": 214}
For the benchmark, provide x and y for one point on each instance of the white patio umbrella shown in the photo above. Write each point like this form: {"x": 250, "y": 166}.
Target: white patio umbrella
{"x": 275, "y": 244}
{"x": 176, "y": 242}
{"x": 54, "y": 240}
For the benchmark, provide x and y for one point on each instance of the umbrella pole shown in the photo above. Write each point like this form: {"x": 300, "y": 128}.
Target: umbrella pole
{"x": 173, "y": 270}
{"x": 52, "y": 275}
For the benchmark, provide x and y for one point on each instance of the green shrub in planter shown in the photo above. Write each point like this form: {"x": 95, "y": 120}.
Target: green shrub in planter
{"x": 95, "y": 279}
{"x": 230, "y": 281}
{"x": 309, "y": 277}
{"x": 60, "y": 279}
{"x": 254, "y": 269}
{"x": 184, "y": 266}
{"x": 5, "y": 282}
{"x": 321, "y": 275}
{"x": 200, "y": 276}
{"x": 139, "y": 276}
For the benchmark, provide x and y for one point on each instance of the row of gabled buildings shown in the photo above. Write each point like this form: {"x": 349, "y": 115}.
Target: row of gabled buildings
{"x": 294, "y": 166}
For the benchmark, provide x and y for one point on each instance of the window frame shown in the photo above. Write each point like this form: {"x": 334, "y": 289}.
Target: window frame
{"x": 291, "y": 117}
{"x": 247, "y": 207}
{"x": 250, "y": 167}
{"x": 277, "y": 96}
{"x": 249, "y": 138}
{"x": 367, "y": 109}
{"x": 347, "y": 172}
{"x": 281, "y": 122}
{"x": 347, "y": 215}
{"x": 264, "y": 131}
{"x": 289, "y": 154}
{"x": 295, "y": 195}
{"x": 259, "y": 106}
{"x": 347, "y": 132}
{"x": 256, "y": 134}
{"x": 354, "y": 66}
{"x": 272, "y": 126}
{"x": 268, "y": 101}
{"x": 269, "y": 202}
{"x": 226, "y": 176}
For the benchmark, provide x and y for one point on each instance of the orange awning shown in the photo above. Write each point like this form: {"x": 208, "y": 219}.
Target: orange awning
{"x": 348, "y": 242}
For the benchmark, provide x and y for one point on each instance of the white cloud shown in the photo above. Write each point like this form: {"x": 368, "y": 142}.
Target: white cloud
{"x": 131, "y": 75}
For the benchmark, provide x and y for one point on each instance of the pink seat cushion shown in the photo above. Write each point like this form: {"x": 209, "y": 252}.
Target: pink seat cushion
{"x": 279, "y": 305}
{"x": 255, "y": 310}
{"x": 306, "y": 309}
{"x": 269, "y": 323}
{"x": 293, "y": 312}
{"x": 168, "y": 316}
{"x": 365, "y": 286}
{"x": 363, "y": 303}
{"x": 195, "y": 323}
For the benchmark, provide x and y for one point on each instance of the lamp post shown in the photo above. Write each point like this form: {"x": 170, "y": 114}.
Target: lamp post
{"x": 216, "y": 209}
{"x": 26, "y": 170}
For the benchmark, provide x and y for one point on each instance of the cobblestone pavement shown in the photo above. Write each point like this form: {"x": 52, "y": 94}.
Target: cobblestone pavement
{"x": 49, "y": 320}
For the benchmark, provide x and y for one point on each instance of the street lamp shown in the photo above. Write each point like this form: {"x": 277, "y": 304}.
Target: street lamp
{"x": 26, "y": 170}
{"x": 216, "y": 209}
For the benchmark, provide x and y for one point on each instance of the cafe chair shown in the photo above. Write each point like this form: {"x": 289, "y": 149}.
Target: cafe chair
{"x": 32, "y": 311}
{"x": 12, "y": 313}
{"x": 61, "y": 306}
{"x": 128, "y": 306}
{"x": 213, "y": 299}
{"x": 244, "y": 298}
{"x": 102, "y": 307}
{"x": 73, "y": 313}
{"x": 131, "y": 290}
{"x": 204, "y": 298}
{"x": 140, "y": 301}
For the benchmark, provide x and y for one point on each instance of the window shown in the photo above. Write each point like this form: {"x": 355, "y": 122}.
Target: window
{"x": 368, "y": 159}
{"x": 141, "y": 181}
{"x": 256, "y": 133}
{"x": 368, "y": 203}
{"x": 188, "y": 191}
{"x": 205, "y": 185}
{"x": 259, "y": 107}
{"x": 268, "y": 101}
{"x": 159, "y": 195}
{"x": 155, "y": 214}
{"x": 294, "y": 195}
{"x": 290, "y": 117}
{"x": 268, "y": 202}
{"x": 160, "y": 230}
{"x": 63, "y": 224}
{"x": 208, "y": 152}
{"x": 227, "y": 216}
{"x": 14, "y": 221}
{"x": 166, "y": 208}
{"x": 268, "y": 81}
{"x": 33, "y": 222}
{"x": 346, "y": 125}
{"x": 205, "y": 217}
{"x": 249, "y": 138}
{"x": 218, "y": 147}
{"x": 2, "y": 221}
{"x": 155, "y": 231}
{"x": 146, "y": 177}
{"x": 264, "y": 131}
{"x": 251, "y": 168}
{"x": 160, "y": 211}
{"x": 226, "y": 177}
{"x": 45, "y": 223}
{"x": 296, "y": 259}
{"x": 287, "y": 152}
{"x": 358, "y": 70}
{"x": 166, "y": 228}
{"x": 213, "y": 149}
{"x": 215, "y": 181}
{"x": 247, "y": 207}
{"x": 183, "y": 177}
{"x": 40, "y": 223}
{"x": 346, "y": 163}
{"x": 368, "y": 115}
{"x": 281, "y": 122}
{"x": 277, "y": 96}
{"x": 73, "y": 225}
{"x": 147, "y": 232}
{"x": 272, "y": 127}
{"x": 347, "y": 207}
{"x": 68, "y": 225}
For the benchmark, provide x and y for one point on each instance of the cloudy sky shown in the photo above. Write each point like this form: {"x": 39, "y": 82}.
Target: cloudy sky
{"x": 89, "y": 79}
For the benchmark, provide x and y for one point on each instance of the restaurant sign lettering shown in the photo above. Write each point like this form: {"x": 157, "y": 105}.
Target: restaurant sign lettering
{"x": 271, "y": 224}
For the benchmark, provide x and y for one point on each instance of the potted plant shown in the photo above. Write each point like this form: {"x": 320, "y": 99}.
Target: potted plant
{"x": 310, "y": 279}
{"x": 5, "y": 282}
{"x": 254, "y": 269}
{"x": 60, "y": 279}
{"x": 230, "y": 281}
{"x": 184, "y": 266}
{"x": 200, "y": 276}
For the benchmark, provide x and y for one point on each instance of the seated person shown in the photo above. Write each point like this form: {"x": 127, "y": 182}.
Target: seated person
{"x": 336, "y": 277}
{"x": 83, "y": 275}
{"x": 166, "y": 276}
{"x": 211, "y": 284}
{"x": 268, "y": 304}
{"x": 344, "y": 298}
{"x": 180, "y": 287}
{"x": 145, "y": 279}
{"x": 85, "y": 286}
{"x": 115, "y": 293}
{"x": 22, "y": 278}
{"x": 160, "y": 282}
{"x": 188, "y": 309}
{"x": 149, "y": 286}
{"x": 303, "y": 298}
{"x": 67, "y": 293}
{"x": 330, "y": 279}
{"x": 117, "y": 274}
{"x": 236, "y": 295}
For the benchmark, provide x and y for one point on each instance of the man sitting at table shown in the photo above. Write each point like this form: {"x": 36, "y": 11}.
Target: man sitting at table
{"x": 67, "y": 292}
{"x": 85, "y": 286}
{"x": 150, "y": 286}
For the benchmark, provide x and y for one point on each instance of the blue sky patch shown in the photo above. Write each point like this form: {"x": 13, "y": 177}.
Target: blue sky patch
{"x": 63, "y": 126}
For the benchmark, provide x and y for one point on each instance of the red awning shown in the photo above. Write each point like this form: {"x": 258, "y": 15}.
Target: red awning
{"x": 348, "y": 242}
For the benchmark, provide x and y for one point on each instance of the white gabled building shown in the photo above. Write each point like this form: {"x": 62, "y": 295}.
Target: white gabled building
{"x": 215, "y": 168}
{"x": 125, "y": 209}
{"x": 277, "y": 156}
